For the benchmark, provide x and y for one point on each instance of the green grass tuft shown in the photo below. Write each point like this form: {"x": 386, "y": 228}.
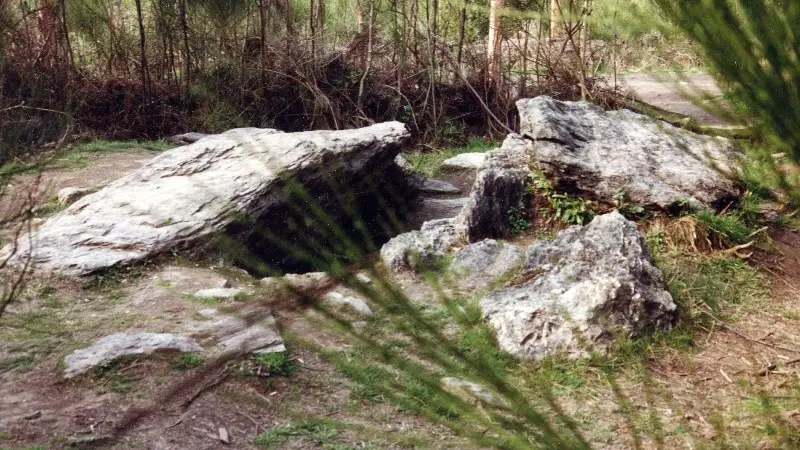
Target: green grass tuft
{"x": 430, "y": 163}
{"x": 316, "y": 431}
{"x": 188, "y": 361}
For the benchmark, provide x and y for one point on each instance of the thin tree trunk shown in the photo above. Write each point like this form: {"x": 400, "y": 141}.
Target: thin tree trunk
{"x": 312, "y": 25}
{"x": 555, "y": 15}
{"x": 288, "y": 15}
{"x": 462, "y": 25}
{"x": 67, "y": 41}
{"x": 186, "y": 50}
{"x": 359, "y": 16}
{"x": 262, "y": 16}
{"x": 368, "y": 63}
{"x": 494, "y": 49}
{"x": 145, "y": 72}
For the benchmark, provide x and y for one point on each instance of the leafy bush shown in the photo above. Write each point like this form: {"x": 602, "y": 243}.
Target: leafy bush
{"x": 563, "y": 207}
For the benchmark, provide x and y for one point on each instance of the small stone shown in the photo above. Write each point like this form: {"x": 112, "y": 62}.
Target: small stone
{"x": 465, "y": 161}
{"x": 70, "y": 195}
{"x": 306, "y": 283}
{"x": 33, "y": 416}
{"x": 404, "y": 164}
{"x": 223, "y": 436}
{"x": 470, "y": 391}
{"x": 244, "y": 335}
{"x": 363, "y": 278}
{"x": 346, "y": 298}
{"x": 442, "y": 208}
{"x": 432, "y": 186}
{"x": 222, "y": 293}
{"x": 186, "y": 138}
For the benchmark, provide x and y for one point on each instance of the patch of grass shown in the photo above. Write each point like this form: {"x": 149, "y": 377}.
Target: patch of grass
{"x": 101, "y": 145}
{"x": 317, "y": 431}
{"x": 276, "y": 363}
{"x": 49, "y": 208}
{"x": 21, "y": 363}
{"x": 188, "y": 361}
{"x": 429, "y": 163}
{"x": 112, "y": 279}
{"x": 76, "y": 156}
{"x": 205, "y": 301}
{"x": 704, "y": 287}
{"x": 790, "y": 315}
{"x": 111, "y": 371}
{"x": 730, "y": 226}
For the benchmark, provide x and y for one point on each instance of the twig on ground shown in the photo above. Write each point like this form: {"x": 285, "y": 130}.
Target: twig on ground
{"x": 748, "y": 338}
{"x": 216, "y": 381}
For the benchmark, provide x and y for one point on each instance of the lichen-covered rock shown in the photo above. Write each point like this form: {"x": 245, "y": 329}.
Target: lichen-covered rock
{"x": 184, "y": 196}
{"x": 345, "y": 298}
{"x": 250, "y": 333}
{"x": 591, "y": 284}
{"x": 111, "y": 347}
{"x": 69, "y": 195}
{"x": 499, "y": 189}
{"x": 422, "y": 248}
{"x": 431, "y": 186}
{"x": 483, "y": 262}
{"x": 218, "y": 293}
{"x": 621, "y": 153}
{"x": 186, "y": 138}
{"x": 464, "y": 161}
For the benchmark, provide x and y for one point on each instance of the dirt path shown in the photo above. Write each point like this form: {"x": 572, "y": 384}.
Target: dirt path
{"x": 673, "y": 93}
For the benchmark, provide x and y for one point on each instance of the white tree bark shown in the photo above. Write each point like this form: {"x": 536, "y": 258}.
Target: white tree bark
{"x": 494, "y": 51}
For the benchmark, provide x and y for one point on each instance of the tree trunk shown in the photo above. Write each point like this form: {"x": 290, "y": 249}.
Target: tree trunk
{"x": 187, "y": 53}
{"x": 145, "y": 72}
{"x": 555, "y": 17}
{"x": 462, "y": 25}
{"x": 312, "y": 25}
{"x": 368, "y": 63}
{"x": 288, "y": 16}
{"x": 494, "y": 51}
{"x": 262, "y": 17}
{"x": 359, "y": 16}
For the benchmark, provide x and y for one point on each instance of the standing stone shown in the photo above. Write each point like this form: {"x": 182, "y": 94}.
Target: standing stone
{"x": 499, "y": 189}
{"x": 591, "y": 285}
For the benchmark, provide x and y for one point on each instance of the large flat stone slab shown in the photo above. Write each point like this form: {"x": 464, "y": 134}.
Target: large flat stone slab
{"x": 187, "y": 194}
{"x": 613, "y": 154}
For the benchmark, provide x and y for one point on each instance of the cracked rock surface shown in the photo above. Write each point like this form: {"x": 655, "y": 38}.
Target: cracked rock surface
{"x": 608, "y": 154}
{"x": 587, "y": 287}
{"x": 185, "y": 195}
